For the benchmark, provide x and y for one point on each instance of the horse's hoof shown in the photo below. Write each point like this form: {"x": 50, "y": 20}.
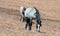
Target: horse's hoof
{"x": 37, "y": 31}
{"x": 25, "y": 27}
{"x": 29, "y": 29}
{"x": 20, "y": 19}
{"x": 23, "y": 21}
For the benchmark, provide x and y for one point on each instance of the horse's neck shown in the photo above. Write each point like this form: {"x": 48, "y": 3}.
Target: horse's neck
{"x": 38, "y": 18}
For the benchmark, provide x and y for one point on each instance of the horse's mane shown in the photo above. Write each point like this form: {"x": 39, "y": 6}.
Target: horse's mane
{"x": 37, "y": 11}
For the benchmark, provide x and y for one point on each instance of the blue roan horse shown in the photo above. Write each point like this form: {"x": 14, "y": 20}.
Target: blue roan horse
{"x": 28, "y": 14}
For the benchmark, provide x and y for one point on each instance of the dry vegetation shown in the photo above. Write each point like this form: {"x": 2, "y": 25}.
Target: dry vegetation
{"x": 49, "y": 9}
{"x": 10, "y": 25}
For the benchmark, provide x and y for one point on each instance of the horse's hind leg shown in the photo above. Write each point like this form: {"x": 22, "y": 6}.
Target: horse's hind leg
{"x": 23, "y": 19}
{"x": 26, "y": 23}
{"x": 26, "y": 26}
{"x": 20, "y": 17}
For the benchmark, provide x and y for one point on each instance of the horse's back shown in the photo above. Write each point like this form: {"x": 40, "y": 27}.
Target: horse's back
{"x": 30, "y": 12}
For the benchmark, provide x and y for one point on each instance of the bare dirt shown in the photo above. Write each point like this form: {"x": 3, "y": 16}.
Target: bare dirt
{"x": 10, "y": 25}
{"x": 49, "y": 9}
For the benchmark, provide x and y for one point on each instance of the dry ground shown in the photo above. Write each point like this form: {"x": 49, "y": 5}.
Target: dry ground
{"x": 10, "y": 25}
{"x": 49, "y": 9}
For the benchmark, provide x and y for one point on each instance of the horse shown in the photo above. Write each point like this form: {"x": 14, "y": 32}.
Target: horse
{"x": 28, "y": 14}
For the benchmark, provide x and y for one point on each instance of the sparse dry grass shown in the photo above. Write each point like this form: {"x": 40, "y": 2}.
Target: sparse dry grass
{"x": 10, "y": 25}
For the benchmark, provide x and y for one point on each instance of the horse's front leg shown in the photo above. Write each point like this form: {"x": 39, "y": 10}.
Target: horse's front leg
{"x": 30, "y": 23}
